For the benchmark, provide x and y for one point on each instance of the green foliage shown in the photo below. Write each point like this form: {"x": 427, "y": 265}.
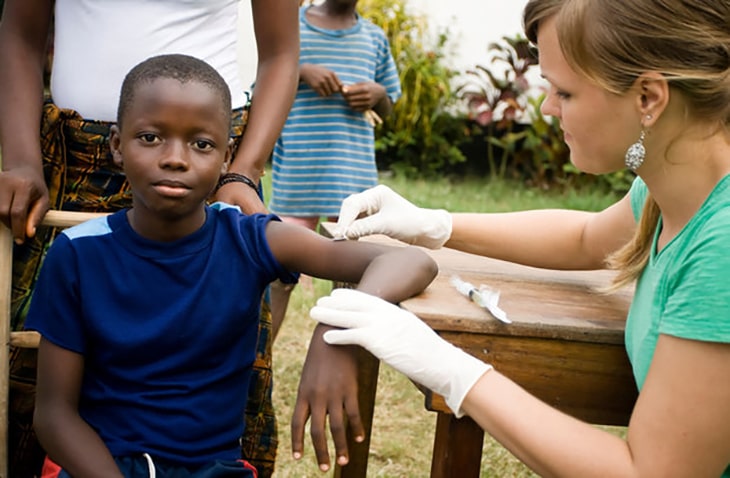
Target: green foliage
{"x": 522, "y": 143}
{"x": 496, "y": 101}
{"x": 427, "y": 136}
{"x": 538, "y": 152}
{"x": 421, "y": 136}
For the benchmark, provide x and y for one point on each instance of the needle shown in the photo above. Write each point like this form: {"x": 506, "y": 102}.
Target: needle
{"x": 484, "y": 297}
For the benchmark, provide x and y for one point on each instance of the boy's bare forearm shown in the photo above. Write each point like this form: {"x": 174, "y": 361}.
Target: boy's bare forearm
{"x": 73, "y": 444}
{"x": 398, "y": 275}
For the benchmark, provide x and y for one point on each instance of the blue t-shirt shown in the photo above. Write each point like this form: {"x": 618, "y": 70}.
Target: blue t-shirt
{"x": 167, "y": 330}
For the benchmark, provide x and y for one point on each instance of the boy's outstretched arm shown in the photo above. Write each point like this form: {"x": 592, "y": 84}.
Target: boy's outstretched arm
{"x": 69, "y": 441}
{"x": 328, "y": 385}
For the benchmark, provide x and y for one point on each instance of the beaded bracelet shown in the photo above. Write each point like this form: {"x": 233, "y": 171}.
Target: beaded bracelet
{"x": 236, "y": 178}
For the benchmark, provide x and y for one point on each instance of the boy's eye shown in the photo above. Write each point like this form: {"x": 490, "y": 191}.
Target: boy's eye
{"x": 203, "y": 145}
{"x": 148, "y": 137}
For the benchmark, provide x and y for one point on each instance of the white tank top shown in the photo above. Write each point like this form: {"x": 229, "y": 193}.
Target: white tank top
{"x": 98, "y": 41}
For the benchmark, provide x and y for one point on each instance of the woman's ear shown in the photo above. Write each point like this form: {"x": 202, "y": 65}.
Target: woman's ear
{"x": 653, "y": 96}
{"x": 115, "y": 143}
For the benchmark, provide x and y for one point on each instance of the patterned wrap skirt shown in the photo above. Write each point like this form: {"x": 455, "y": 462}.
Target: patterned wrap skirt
{"x": 81, "y": 176}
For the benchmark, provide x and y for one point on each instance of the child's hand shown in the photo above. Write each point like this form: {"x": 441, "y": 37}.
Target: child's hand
{"x": 325, "y": 82}
{"x": 363, "y": 96}
{"x": 328, "y": 386}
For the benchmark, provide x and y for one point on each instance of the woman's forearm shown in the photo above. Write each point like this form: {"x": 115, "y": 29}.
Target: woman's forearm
{"x": 542, "y": 238}
{"x": 550, "y": 442}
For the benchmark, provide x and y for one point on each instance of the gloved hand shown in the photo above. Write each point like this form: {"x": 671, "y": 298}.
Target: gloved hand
{"x": 390, "y": 214}
{"x": 401, "y": 340}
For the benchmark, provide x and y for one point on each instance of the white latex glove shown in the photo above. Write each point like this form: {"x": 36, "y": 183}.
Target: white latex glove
{"x": 390, "y": 214}
{"x": 402, "y": 340}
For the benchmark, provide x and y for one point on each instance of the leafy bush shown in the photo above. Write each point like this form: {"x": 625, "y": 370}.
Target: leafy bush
{"x": 521, "y": 142}
{"x": 498, "y": 103}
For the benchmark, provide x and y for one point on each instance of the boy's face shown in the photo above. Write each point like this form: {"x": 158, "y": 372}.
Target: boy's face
{"x": 173, "y": 143}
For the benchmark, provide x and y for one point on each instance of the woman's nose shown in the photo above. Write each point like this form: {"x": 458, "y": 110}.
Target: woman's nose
{"x": 549, "y": 106}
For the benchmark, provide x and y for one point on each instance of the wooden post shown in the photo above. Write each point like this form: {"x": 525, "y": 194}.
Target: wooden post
{"x": 6, "y": 267}
{"x": 21, "y": 339}
{"x": 457, "y": 447}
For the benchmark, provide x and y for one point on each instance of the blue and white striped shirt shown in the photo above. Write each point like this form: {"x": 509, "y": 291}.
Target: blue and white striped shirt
{"x": 327, "y": 150}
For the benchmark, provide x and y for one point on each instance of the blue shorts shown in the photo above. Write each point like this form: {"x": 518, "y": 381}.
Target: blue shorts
{"x": 138, "y": 467}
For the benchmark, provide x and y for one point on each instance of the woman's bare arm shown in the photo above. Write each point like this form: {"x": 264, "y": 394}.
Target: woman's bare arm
{"x": 547, "y": 238}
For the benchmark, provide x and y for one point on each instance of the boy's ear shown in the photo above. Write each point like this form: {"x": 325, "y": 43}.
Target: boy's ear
{"x": 115, "y": 143}
{"x": 229, "y": 156}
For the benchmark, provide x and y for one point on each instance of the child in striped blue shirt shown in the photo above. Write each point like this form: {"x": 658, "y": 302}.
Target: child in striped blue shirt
{"x": 326, "y": 150}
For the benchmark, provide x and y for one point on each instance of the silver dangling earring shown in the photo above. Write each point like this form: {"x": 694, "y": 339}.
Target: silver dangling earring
{"x": 637, "y": 152}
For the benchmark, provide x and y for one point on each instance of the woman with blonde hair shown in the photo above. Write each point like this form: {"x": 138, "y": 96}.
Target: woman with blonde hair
{"x": 637, "y": 84}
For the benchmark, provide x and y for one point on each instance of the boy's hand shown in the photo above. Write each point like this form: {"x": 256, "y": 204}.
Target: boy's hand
{"x": 363, "y": 96}
{"x": 325, "y": 82}
{"x": 328, "y": 386}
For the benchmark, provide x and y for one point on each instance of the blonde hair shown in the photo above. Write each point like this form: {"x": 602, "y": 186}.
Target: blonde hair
{"x": 613, "y": 42}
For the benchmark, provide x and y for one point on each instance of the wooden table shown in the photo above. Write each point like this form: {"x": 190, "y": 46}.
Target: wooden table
{"x": 565, "y": 346}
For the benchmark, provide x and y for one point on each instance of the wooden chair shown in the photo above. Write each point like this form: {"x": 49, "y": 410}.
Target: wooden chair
{"x": 10, "y": 338}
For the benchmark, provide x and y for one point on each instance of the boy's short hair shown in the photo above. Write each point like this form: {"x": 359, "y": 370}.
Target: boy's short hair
{"x": 183, "y": 68}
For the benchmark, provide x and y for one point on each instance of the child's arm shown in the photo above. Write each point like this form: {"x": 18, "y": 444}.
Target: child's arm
{"x": 392, "y": 273}
{"x": 69, "y": 441}
{"x": 328, "y": 384}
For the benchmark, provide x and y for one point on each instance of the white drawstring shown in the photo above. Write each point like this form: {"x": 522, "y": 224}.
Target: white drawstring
{"x": 150, "y": 465}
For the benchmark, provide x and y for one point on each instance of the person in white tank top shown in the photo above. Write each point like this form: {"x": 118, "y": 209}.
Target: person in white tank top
{"x": 95, "y": 43}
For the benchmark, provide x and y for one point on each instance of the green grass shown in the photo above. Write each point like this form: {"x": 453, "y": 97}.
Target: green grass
{"x": 482, "y": 195}
{"x": 402, "y": 434}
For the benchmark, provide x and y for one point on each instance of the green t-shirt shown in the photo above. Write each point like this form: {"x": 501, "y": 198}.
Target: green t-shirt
{"x": 684, "y": 291}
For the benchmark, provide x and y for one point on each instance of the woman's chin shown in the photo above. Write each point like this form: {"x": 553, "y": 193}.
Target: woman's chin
{"x": 587, "y": 166}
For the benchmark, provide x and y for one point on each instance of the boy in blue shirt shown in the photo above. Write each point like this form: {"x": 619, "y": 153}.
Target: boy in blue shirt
{"x": 149, "y": 316}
